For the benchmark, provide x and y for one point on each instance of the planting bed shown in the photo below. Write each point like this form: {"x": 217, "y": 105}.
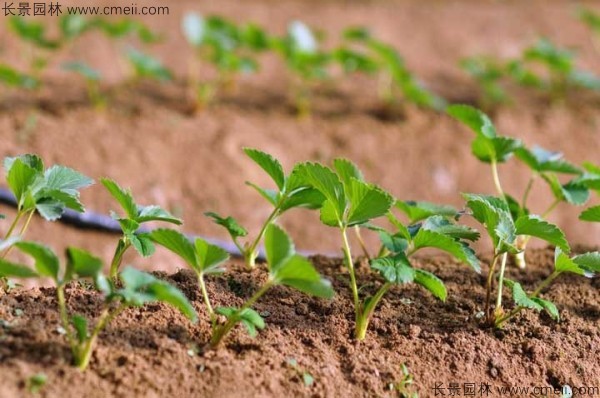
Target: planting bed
{"x": 148, "y": 138}
{"x": 156, "y": 352}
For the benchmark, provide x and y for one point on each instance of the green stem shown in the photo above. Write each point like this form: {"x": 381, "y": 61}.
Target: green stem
{"x": 64, "y": 316}
{"x": 551, "y": 208}
{"x": 501, "y": 282}
{"x": 21, "y": 232}
{"x": 527, "y": 191}
{"x": 499, "y": 322}
{"x": 221, "y": 331}
{"x": 496, "y": 177}
{"x": 209, "y": 307}
{"x": 12, "y": 227}
{"x": 122, "y": 247}
{"x": 362, "y": 323}
{"x": 350, "y": 265}
{"x": 251, "y": 253}
{"x": 488, "y": 288}
{"x": 83, "y": 354}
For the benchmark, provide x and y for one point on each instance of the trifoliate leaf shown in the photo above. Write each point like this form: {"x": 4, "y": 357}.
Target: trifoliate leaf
{"x": 394, "y": 269}
{"x": 328, "y": 183}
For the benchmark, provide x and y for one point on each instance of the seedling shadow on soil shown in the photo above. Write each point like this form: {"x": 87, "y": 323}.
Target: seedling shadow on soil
{"x": 440, "y": 342}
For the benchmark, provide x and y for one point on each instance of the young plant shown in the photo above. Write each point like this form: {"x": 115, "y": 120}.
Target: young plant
{"x": 38, "y": 47}
{"x": 489, "y": 74}
{"x": 92, "y": 80}
{"x": 48, "y": 191}
{"x": 11, "y": 77}
{"x": 284, "y": 265}
{"x": 587, "y": 264}
{"x": 305, "y": 61}
{"x": 495, "y": 215}
{"x": 494, "y": 149}
{"x": 290, "y": 193}
{"x": 229, "y": 48}
{"x": 395, "y": 79}
{"x": 135, "y": 216}
{"x": 137, "y": 288}
{"x": 147, "y": 67}
{"x": 561, "y": 74}
{"x": 350, "y": 201}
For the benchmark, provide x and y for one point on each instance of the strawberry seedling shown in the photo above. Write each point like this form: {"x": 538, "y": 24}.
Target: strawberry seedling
{"x": 138, "y": 288}
{"x": 147, "y": 67}
{"x": 395, "y": 79}
{"x": 587, "y": 264}
{"x": 11, "y": 77}
{"x": 284, "y": 265}
{"x": 306, "y": 62}
{"x": 135, "y": 216}
{"x": 489, "y": 74}
{"x": 47, "y": 191}
{"x": 350, "y": 201}
{"x": 92, "y": 80}
{"x": 290, "y": 193}
{"x": 494, "y": 149}
{"x": 229, "y": 48}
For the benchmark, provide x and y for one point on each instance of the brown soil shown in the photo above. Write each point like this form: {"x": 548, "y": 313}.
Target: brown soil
{"x": 145, "y": 352}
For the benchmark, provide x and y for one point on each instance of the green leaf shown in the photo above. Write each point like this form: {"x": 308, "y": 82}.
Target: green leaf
{"x": 122, "y": 196}
{"x": 50, "y": 209}
{"x": 142, "y": 244}
{"x": 156, "y": 213}
{"x": 592, "y": 214}
{"x": 573, "y": 192}
{"x": 394, "y": 269}
{"x": 210, "y": 257}
{"x": 498, "y": 149}
{"x": 541, "y": 160}
{"x": 278, "y": 247}
{"x": 177, "y": 243}
{"x": 270, "y": 195}
{"x": 562, "y": 263}
{"x": 535, "y": 226}
{"x": 141, "y": 287}
{"x": 46, "y": 262}
{"x": 418, "y": 211}
{"x": 232, "y": 226}
{"x": 298, "y": 273}
{"x": 366, "y": 202}
{"x": 82, "y": 264}
{"x": 305, "y": 197}
{"x": 80, "y": 325}
{"x": 67, "y": 180}
{"x": 5, "y": 244}
{"x": 13, "y": 270}
{"x": 520, "y": 296}
{"x": 269, "y": 164}
{"x": 328, "y": 183}
{"x": 146, "y": 66}
{"x": 432, "y": 283}
{"x": 347, "y": 171}
{"x": 588, "y": 261}
{"x": 431, "y": 239}
{"x": 495, "y": 215}
{"x": 548, "y": 306}
{"x": 21, "y": 178}
{"x": 444, "y": 226}
{"x": 250, "y": 318}
{"x": 476, "y": 120}
{"x": 395, "y": 243}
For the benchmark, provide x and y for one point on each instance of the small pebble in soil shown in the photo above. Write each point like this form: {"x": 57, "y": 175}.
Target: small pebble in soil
{"x": 302, "y": 309}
